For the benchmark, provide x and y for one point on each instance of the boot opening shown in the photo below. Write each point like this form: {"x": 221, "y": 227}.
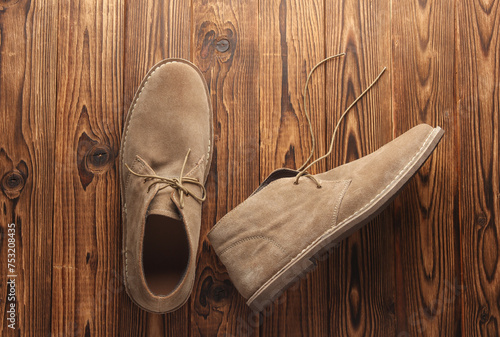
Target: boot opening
{"x": 165, "y": 253}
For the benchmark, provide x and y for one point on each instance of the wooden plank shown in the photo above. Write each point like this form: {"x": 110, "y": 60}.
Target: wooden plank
{"x": 154, "y": 30}
{"x": 292, "y": 41}
{"x": 28, "y": 48}
{"x": 423, "y": 72}
{"x": 361, "y": 279}
{"x": 225, "y": 47}
{"x": 478, "y": 107}
{"x": 86, "y": 274}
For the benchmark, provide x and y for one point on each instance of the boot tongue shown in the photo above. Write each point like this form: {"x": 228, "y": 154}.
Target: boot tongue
{"x": 162, "y": 204}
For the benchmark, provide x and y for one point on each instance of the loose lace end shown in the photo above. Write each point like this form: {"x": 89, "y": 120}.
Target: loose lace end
{"x": 305, "y": 166}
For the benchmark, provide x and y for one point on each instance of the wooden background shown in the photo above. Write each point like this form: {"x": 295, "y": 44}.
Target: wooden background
{"x": 427, "y": 266}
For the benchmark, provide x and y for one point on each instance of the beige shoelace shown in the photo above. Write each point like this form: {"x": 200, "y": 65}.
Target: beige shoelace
{"x": 175, "y": 183}
{"x": 305, "y": 166}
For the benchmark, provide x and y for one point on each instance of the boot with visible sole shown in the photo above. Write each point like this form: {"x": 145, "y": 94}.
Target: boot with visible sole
{"x": 275, "y": 236}
{"x": 165, "y": 157}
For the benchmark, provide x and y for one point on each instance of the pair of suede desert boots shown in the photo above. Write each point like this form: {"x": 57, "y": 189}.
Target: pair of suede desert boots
{"x": 266, "y": 242}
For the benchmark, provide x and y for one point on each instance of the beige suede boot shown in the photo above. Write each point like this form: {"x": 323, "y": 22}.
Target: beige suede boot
{"x": 165, "y": 157}
{"x": 275, "y": 236}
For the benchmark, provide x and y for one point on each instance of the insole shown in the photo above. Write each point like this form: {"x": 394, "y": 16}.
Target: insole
{"x": 165, "y": 253}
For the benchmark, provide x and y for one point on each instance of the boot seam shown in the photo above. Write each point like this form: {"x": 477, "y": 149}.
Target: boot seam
{"x": 137, "y": 160}
{"x": 347, "y": 183}
{"x": 255, "y": 237}
{"x": 196, "y": 166}
{"x": 241, "y": 204}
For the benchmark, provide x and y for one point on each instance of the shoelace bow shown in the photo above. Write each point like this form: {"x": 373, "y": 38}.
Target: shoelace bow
{"x": 175, "y": 183}
{"x": 305, "y": 166}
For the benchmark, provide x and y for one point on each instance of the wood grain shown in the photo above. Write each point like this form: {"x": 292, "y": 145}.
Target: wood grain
{"x": 292, "y": 42}
{"x": 427, "y": 266}
{"x": 86, "y": 272}
{"x": 478, "y": 139}
{"x": 423, "y": 72}
{"x": 361, "y": 293}
{"x": 28, "y": 49}
{"x": 232, "y": 76}
{"x": 154, "y": 30}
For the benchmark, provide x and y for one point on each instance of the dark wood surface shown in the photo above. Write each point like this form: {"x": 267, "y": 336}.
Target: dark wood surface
{"x": 429, "y": 265}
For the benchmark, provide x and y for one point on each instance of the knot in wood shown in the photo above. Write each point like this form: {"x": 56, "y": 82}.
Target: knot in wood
{"x": 219, "y": 293}
{"x": 99, "y": 158}
{"x": 484, "y": 315}
{"x": 13, "y": 183}
{"x": 7, "y": 3}
{"x": 482, "y": 221}
{"x": 222, "y": 45}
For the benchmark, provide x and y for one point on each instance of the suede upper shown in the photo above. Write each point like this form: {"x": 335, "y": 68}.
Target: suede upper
{"x": 281, "y": 219}
{"x": 170, "y": 114}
